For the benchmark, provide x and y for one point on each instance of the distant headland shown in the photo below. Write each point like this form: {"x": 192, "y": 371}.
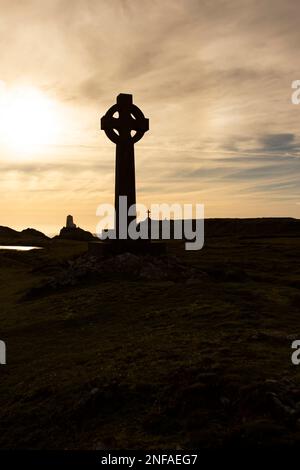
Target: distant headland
{"x": 218, "y": 227}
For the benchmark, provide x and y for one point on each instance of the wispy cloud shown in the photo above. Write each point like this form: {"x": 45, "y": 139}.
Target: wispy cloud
{"x": 214, "y": 78}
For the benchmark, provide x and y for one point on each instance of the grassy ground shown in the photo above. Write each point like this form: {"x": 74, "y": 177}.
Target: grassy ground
{"x": 152, "y": 364}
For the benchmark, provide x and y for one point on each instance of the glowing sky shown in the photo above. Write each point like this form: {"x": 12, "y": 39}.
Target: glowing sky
{"x": 214, "y": 78}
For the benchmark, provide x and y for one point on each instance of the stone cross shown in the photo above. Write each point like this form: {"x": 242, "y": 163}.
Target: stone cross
{"x": 124, "y": 124}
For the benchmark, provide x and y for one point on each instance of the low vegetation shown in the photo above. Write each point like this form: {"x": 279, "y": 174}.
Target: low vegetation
{"x": 201, "y": 360}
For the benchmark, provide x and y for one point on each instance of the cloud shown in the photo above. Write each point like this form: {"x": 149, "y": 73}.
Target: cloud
{"x": 214, "y": 78}
{"x": 284, "y": 142}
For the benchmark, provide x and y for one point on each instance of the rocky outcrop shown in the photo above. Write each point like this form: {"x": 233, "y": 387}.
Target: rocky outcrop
{"x": 77, "y": 234}
{"x": 123, "y": 266}
{"x": 32, "y": 233}
{"x": 29, "y": 236}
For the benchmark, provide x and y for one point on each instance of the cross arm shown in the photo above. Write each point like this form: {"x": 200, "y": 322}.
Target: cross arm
{"x": 108, "y": 122}
{"x": 140, "y": 124}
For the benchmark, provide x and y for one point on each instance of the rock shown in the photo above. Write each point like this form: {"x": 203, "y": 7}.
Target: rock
{"x": 127, "y": 262}
{"x": 271, "y": 382}
{"x": 282, "y": 409}
{"x": 150, "y": 271}
{"x": 32, "y": 233}
{"x": 77, "y": 234}
{"x": 292, "y": 337}
{"x": 130, "y": 266}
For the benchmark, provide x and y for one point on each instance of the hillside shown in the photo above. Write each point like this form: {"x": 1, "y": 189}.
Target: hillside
{"x": 194, "y": 351}
{"x": 29, "y": 236}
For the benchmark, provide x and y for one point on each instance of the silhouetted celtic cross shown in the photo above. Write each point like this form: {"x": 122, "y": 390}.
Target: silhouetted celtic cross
{"x": 130, "y": 118}
{"x": 119, "y": 122}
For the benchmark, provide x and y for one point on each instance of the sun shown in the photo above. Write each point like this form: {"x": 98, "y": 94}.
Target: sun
{"x": 28, "y": 120}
